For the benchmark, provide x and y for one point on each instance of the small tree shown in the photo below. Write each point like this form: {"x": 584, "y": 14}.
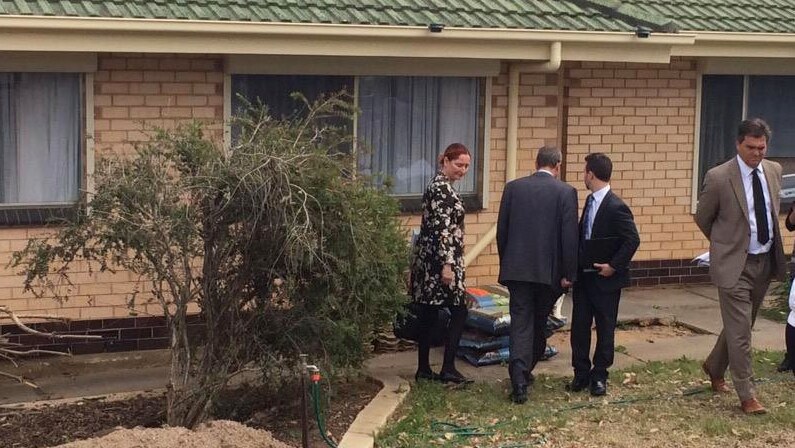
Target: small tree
{"x": 281, "y": 246}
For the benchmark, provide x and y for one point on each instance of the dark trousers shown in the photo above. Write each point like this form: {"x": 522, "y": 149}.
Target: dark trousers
{"x": 530, "y": 305}
{"x": 427, "y": 315}
{"x": 789, "y": 336}
{"x": 591, "y": 304}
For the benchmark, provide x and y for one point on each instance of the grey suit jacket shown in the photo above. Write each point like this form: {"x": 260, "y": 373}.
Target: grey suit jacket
{"x": 537, "y": 231}
{"x": 722, "y": 215}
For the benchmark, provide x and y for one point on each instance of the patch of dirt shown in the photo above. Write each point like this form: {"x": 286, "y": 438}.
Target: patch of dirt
{"x": 273, "y": 409}
{"x": 53, "y": 425}
{"x": 281, "y": 413}
{"x": 220, "y": 433}
{"x": 648, "y": 330}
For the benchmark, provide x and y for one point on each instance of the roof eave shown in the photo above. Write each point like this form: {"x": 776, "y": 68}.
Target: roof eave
{"x": 736, "y": 44}
{"x": 35, "y": 33}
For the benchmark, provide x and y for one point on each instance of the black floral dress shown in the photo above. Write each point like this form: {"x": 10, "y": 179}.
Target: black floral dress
{"x": 440, "y": 242}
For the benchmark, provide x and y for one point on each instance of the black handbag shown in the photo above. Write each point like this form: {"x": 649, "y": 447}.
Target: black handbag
{"x": 407, "y": 325}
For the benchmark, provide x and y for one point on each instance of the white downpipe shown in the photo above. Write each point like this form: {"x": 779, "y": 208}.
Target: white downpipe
{"x": 514, "y": 72}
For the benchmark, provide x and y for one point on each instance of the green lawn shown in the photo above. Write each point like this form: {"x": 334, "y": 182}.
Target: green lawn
{"x": 653, "y": 405}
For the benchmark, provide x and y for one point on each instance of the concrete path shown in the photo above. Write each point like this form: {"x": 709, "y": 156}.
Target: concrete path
{"x": 87, "y": 376}
{"x": 694, "y": 306}
{"x": 64, "y": 379}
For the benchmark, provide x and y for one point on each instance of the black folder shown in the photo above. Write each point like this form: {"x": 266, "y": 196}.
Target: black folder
{"x": 598, "y": 250}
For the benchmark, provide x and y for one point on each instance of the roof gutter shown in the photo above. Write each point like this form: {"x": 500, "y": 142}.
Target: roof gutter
{"x": 125, "y": 25}
{"x": 730, "y": 36}
{"x": 738, "y": 45}
{"x": 514, "y": 74}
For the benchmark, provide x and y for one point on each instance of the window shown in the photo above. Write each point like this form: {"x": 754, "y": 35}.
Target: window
{"x": 403, "y": 125}
{"x": 728, "y": 99}
{"x": 406, "y": 122}
{"x": 40, "y": 145}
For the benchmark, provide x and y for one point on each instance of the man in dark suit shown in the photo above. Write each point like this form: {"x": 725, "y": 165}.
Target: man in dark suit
{"x": 598, "y": 288}
{"x": 537, "y": 244}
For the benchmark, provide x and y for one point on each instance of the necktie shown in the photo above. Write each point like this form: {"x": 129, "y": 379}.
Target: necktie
{"x": 586, "y": 217}
{"x": 760, "y": 211}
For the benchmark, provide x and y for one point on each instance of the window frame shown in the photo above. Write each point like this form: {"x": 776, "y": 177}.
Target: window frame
{"x": 32, "y": 214}
{"x": 409, "y": 204}
{"x": 745, "y": 67}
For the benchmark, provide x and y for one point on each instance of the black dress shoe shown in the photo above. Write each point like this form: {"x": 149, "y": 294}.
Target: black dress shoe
{"x": 578, "y": 384}
{"x": 598, "y": 388}
{"x": 453, "y": 376}
{"x": 519, "y": 394}
{"x": 786, "y": 364}
{"x": 423, "y": 375}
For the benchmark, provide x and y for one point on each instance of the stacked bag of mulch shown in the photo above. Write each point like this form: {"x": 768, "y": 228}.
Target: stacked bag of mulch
{"x": 485, "y": 339}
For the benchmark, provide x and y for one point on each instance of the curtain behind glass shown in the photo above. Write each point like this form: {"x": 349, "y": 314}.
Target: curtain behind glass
{"x": 721, "y": 112}
{"x": 39, "y": 137}
{"x": 772, "y": 98}
{"x": 275, "y": 91}
{"x": 406, "y": 122}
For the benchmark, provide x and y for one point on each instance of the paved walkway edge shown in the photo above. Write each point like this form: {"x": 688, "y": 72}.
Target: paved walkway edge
{"x": 374, "y": 416}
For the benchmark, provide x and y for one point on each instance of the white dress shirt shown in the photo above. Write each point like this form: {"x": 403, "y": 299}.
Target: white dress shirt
{"x": 746, "y": 172}
{"x": 598, "y": 197}
{"x": 791, "y": 317}
{"x": 542, "y": 170}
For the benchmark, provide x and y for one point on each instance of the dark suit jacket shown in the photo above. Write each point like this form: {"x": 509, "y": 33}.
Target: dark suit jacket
{"x": 537, "y": 231}
{"x": 614, "y": 220}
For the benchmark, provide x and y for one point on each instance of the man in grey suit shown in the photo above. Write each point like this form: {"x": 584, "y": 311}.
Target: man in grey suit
{"x": 537, "y": 243}
{"x": 738, "y": 213}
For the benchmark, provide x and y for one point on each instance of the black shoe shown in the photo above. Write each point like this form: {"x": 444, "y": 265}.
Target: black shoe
{"x": 549, "y": 352}
{"x": 598, "y": 388}
{"x": 453, "y": 376}
{"x": 519, "y": 394}
{"x": 425, "y": 375}
{"x": 578, "y": 384}
{"x": 786, "y": 364}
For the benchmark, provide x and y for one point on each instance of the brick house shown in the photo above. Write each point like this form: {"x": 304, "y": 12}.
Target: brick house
{"x": 658, "y": 85}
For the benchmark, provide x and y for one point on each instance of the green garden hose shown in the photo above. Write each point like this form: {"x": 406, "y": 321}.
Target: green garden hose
{"x": 315, "y": 395}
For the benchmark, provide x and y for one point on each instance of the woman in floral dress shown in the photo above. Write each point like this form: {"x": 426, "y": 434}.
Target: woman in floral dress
{"x": 437, "y": 274}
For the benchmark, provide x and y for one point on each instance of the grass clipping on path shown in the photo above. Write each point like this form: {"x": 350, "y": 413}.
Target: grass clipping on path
{"x": 653, "y": 405}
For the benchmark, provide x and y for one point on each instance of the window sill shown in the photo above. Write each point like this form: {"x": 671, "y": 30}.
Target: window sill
{"x": 413, "y": 205}
{"x": 36, "y": 214}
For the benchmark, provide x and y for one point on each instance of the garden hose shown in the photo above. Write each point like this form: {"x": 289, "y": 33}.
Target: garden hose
{"x": 454, "y": 430}
{"x": 443, "y": 428}
{"x": 315, "y": 395}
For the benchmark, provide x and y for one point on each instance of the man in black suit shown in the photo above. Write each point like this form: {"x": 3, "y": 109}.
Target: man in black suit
{"x": 598, "y": 287}
{"x": 537, "y": 244}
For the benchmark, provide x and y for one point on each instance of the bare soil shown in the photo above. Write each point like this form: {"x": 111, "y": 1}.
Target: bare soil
{"x": 649, "y": 330}
{"x": 220, "y": 433}
{"x": 276, "y": 410}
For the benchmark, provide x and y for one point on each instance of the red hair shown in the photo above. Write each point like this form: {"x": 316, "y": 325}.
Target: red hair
{"x": 452, "y": 152}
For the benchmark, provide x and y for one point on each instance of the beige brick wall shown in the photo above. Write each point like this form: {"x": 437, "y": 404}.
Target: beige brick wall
{"x": 133, "y": 94}
{"x": 643, "y": 117}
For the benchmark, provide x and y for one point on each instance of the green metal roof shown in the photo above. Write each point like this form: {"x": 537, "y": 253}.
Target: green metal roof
{"x": 746, "y": 16}
{"x": 517, "y": 14}
{"x": 577, "y": 15}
